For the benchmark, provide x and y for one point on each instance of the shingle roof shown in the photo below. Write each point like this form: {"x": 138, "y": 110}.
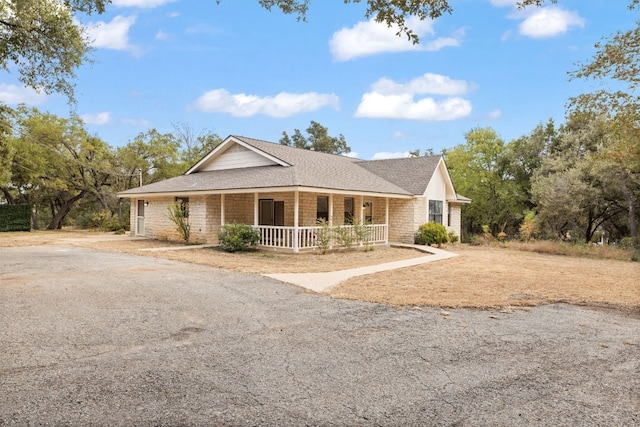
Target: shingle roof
{"x": 411, "y": 174}
{"x": 309, "y": 169}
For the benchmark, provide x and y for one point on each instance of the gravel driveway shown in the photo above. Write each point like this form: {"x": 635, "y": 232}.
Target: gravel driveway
{"x": 101, "y": 338}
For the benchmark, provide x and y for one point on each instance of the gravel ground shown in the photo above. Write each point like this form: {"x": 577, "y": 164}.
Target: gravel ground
{"x": 89, "y": 337}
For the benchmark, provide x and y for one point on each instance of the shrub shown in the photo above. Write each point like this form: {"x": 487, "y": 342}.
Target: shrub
{"x": 530, "y": 227}
{"x": 238, "y": 237}
{"x": 324, "y": 235}
{"x": 178, "y": 213}
{"x": 432, "y": 233}
{"x": 452, "y": 237}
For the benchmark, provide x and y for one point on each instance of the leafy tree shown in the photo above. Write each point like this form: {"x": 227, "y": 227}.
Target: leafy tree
{"x": 178, "y": 213}
{"x": 194, "y": 146}
{"x": 44, "y": 41}
{"x": 318, "y": 140}
{"x": 478, "y": 171}
{"x": 416, "y": 152}
{"x": 56, "y": 164}
{"x": 523, "y": 156}
{"x": 391, "y": 12}
{"x": 575, "y": 193}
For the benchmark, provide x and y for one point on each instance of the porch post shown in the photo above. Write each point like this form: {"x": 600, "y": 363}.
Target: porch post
{"x": 330, "y": 216}
{"x": 386, "y": 221}
{"x": 221, "y": 210}
{"x": 296, "y": 217}
{"x": 361, "y": 209}
{"x": 256, "y": 212}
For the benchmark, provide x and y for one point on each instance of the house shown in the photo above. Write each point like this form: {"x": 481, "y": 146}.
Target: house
{"x": 283, "y": 191}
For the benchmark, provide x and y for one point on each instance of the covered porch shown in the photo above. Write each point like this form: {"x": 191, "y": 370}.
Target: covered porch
{"x": 291, "y": 220}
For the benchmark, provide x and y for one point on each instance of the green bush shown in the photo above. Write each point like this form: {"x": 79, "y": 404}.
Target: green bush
{"x": 324, "y": 235}
{"x": 452, "y": 237}
{"x": 432, "y": 233}
{"x": 238, "y": 237}
{"x": 15, "y": 217}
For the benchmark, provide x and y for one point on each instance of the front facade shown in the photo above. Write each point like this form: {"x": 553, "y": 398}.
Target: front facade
{"x": 284, "y": 191}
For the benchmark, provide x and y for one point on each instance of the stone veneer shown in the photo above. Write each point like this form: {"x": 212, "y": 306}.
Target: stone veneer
{"x": 405, "y": 215}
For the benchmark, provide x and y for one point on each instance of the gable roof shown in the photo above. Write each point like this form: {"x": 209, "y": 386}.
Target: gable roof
{"x": 295, "y": 168}
{"x": 412, "y": 174}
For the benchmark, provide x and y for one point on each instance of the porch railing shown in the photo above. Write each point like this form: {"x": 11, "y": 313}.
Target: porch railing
{"x": 283, "y": 237}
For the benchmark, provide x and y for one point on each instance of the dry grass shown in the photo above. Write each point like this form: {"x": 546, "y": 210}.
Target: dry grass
{"x": 484, "y": 277}
{"x": 481, "y": 277}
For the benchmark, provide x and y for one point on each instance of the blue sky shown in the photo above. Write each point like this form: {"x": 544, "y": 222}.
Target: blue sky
{"x": 235, "y": 68}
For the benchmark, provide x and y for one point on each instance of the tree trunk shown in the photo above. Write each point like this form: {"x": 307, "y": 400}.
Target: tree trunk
{"x": 65, "y": 208}
{"x": 8, "y": 196}
{"x": 632, "y": 214}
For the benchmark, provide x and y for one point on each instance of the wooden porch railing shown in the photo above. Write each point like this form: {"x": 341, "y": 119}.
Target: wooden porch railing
{"x": 283, "y": 237}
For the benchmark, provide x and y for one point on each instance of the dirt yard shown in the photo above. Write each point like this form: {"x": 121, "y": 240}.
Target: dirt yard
{"x": 480, "y": 277}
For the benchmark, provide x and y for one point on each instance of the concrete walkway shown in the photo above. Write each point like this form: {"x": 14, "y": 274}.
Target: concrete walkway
{"x": 321, "y": 282}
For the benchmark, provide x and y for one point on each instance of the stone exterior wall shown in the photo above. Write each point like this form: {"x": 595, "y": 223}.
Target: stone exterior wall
{"x": 405, "y": 216}
{"x": 402, "y": 218}
{"x": 455, "y": 219}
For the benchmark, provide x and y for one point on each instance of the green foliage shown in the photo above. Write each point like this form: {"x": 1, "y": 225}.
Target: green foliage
{"x": 178, "y": 213}
{"x": 324, "y": 235}
{"x": 432, "y": 233}
{"x": 44, "y": 42}
{"x": 530, "y": 227}
{"x": 362, "y": 232}
{"x": 318, "y": 140}
{"x": 393, "y": 13}
{"x": 238, "y": 237}
{"x": 15, "y": 218}
{"x": 105, "y": 221}
{"x": 479, "y": 170}
{"x": 452, "y": 237}
{"x": 346, "y": 236}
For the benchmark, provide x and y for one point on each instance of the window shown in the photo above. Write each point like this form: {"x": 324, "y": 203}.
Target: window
{"x": 348, "y": 210}
{"x": 184, "y": 205}
{"x": 368, "y": 212}
{"x": 435, "y": 211}
{"x": 322, "y": 212}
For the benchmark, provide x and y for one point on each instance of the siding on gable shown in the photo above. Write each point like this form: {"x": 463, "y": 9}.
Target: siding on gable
{"x": 237, "y": 157}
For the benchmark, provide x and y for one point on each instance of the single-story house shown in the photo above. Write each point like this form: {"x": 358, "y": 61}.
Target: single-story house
{"x": 283, "y": 191}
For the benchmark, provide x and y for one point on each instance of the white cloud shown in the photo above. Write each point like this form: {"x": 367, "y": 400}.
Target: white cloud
{"x": 161, "y": 35}
{"x": 370, "y": 38}
{"x": 436, "y": 84}
{"x": 386, "y": 155}
{"x": 112, "y": 35}
{"x": 398, "y": 135}
{"x": 14, "y": 95}
{"x": 391, "y": 100}
{"x": 504, "y": 3}
{"x": 495, "y": 114}
{"x": 351, "y": 154}
{"x": 549, "y": 22}
{"x": 97, "y": 119}
{"x": 282, "y": 105}
{"x": 136, "y": 122}
{"x": 140, "y": 3}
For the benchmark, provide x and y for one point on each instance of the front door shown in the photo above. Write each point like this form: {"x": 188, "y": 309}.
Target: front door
{"x": 140, "y": 218}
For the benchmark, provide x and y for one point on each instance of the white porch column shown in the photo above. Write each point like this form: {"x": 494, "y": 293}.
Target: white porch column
{"x": 221, "y": 210}
{"x": 361, "y": 209}
{"x": 330, "y": 219}
{"x": 256, "y": 211}
{"x": 386, "y": 220}
{"x": 296, "y": 217}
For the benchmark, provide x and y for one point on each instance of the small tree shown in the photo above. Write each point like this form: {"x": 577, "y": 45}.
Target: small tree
{"x": 432, "y": 233}
{"x": 362, "y": 232}
{"x": 324, "y": 235}
{"x": 238, "y": 237}
{"x": 178, "y": 213}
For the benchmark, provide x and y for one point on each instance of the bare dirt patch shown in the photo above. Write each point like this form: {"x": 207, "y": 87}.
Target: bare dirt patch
{"x": 481, "y": 277}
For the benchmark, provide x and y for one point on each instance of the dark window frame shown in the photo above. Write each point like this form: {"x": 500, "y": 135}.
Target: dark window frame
{"x": 436, "y": 211}
{"x": 322, "y": 213}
